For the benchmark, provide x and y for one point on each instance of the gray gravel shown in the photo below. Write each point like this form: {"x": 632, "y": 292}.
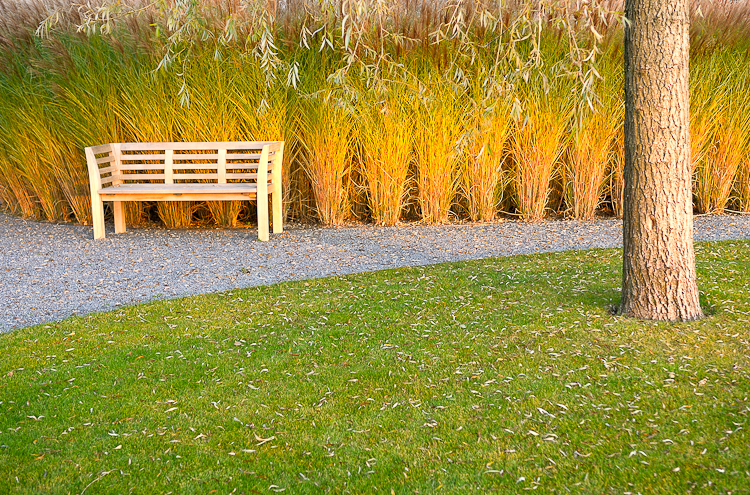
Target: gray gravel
{"x": 52, "y": 271}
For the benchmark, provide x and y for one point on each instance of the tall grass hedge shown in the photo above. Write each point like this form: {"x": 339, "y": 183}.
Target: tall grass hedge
{"x": 415, "y": 110}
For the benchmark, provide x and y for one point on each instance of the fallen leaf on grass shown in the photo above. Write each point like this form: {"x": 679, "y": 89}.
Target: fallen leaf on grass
{"x": 261, "y": 441}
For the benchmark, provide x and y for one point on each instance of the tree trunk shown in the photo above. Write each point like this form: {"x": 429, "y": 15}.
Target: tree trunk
{"x": 658, "y": 280}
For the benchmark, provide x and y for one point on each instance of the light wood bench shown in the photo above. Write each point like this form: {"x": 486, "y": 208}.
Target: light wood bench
{"x": 221, "y": 171}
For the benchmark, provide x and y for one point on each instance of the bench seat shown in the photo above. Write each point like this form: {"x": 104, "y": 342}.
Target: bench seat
{"x": 179, "y": 192}
{"x": 212, "y": 171}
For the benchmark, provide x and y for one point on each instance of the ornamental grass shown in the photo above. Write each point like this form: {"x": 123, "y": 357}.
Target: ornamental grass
{"x": 327, "y": 130}
{"x": 438, "y": 130}
{"x": 539, "y": 140}
{"x": 386, "y": 137}
{"x": 420, "y": 110}
{"x": 485, "y": 175}
{"x": 589, "y": 157}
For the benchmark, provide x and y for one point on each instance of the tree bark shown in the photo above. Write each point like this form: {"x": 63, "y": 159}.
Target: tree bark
{"x": 658, "y": 279}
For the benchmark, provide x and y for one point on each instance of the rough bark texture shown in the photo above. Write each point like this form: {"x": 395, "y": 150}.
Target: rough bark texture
{"x": 658, "y": 280}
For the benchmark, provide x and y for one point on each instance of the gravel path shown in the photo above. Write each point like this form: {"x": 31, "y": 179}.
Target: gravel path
{"x": 51, "y": 271}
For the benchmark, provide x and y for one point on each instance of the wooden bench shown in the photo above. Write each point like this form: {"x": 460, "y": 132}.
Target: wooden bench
{"x": 221, "y": 171}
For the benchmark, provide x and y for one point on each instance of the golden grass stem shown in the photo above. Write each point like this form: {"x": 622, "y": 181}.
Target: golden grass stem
{"x": 589, "y": 157}
{"x": 482, "y": 173}
{"x": 537, "y": 145}
{"x": 385, "y": 134}
{"x": 326, "y": 134}
{"x": 438, "y": 130}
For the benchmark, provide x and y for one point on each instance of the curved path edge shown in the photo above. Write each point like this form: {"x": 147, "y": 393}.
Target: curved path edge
{"x": 52, "y": 271}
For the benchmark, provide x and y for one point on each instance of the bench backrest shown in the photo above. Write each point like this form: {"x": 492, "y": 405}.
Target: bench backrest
{"x": 180, "y": 163}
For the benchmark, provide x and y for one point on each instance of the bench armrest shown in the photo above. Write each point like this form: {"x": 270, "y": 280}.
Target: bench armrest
{"x": 95, "y": 177}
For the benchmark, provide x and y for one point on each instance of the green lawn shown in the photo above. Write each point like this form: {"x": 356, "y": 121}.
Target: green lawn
{"x": 506, "y": 374}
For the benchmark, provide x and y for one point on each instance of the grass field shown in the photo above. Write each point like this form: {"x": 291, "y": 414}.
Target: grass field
{"x": 503, "y": 375}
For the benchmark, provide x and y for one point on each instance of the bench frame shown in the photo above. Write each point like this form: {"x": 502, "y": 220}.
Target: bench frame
{"x": 151, "y": 170}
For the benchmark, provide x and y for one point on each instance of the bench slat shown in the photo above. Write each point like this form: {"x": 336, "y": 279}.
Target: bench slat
{"x": 243, "y": 156}
{"x": 141, "y": 177}
{"x": 274, "y": 146}
{"x": 227, "y": 145}
{"x": 188, "y": 166}
{"x": 142, "y": 166}
{"x": 195, "y": 166}
{"x": 231, "y": 176}
{"x": 204, "y": 156}
{"x": 105, "y": 159}
{"x": 177, "y": 188}
{"x": 142, "y": 158}
{"x": 213, "y": 176}
{"x": 102, "y": 148}
{"x": 188, "y": 196}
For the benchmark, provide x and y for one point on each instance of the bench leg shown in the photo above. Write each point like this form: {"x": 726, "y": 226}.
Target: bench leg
{"x": 97, "y": 216}
{"x": 277, "y": 214}
{"x": 119, "y": 210}
{"x": 263, "y": 218}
